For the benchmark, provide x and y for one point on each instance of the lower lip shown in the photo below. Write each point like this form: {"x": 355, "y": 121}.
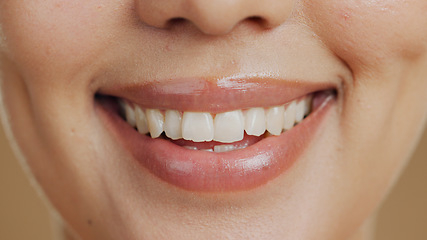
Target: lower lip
{"x": 202, "y": 171}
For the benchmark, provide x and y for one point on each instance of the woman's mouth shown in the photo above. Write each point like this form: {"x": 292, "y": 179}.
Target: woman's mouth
{"x": 191, "y": 134}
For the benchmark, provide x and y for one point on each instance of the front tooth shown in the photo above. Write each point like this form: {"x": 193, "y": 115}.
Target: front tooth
{"x": 141, "y": 121}
{"x": 155, "y": 122}
{"x": 229, "y": 126}
{"x": 290, "y": 115}
{"x": 255, "y": 121}
{"x": 299, "y": 114}
{"x": 130, "y": 115}
{"x": 275, "y": 119}
{"x": 197, "y": 126}
{"x": 173, "y": 124}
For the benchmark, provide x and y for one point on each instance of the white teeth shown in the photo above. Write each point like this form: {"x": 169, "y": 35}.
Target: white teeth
{"x": 172, "y": 125}
{"x": 155, "y": 122}
{"x": 217, "y": 148}
{"x": 141, "y": 121}
{"x": 275, "y": 119}
{"x": 197, "y": 127}
{"x": 299, "y": 114}
{"x": 130, "y": 115}
{"x": 190, "y": 147}
{"x": 228, "y": 148}
{"x": 290, "y": 115}
{"x": 229, "y": 126}
{"x": 255, "y": 121}
{"x": 224, "y": 148}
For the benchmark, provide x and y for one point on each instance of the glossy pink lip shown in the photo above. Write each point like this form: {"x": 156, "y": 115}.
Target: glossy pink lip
{"x": 217, "y": 172}
{"x": 214, "y": 95}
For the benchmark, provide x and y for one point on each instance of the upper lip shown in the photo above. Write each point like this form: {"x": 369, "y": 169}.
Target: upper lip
{"x": 216, "y": 71}
{"x": 214, "y": 95}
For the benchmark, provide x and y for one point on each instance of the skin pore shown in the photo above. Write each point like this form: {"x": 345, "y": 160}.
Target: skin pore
{"x": 56, "y": 55}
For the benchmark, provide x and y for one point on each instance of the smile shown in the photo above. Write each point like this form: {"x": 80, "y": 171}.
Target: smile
{"x": 211, "y": 136}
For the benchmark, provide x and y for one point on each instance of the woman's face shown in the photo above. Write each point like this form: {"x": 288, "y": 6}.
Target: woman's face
{"x": 62, "y": 62}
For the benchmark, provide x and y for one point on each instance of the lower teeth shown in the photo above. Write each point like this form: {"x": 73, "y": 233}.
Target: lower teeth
{"x": 218, "y": 148}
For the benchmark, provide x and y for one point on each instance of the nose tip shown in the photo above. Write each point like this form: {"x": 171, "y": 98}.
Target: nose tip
{"x": 213, "y": 17}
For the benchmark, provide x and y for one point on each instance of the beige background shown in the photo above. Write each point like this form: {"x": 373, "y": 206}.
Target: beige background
{"x": 23, "y": 215}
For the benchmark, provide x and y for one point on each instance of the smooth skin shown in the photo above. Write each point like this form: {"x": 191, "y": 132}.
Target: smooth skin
{"x": 55, "y": 54}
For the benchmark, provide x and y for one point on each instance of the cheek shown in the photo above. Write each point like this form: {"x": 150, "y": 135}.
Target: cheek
{"x": 367, "y": 34}
{"x": 51, "y": 36}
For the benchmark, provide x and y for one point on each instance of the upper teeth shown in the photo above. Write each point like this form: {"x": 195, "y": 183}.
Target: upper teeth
{"x": 224, "y": 127}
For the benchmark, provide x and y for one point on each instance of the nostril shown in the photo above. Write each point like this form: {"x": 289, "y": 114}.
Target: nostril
{"x": 257, "y": 19}
{"x": 176, "y": 21}
{"x": 210, "y": 27}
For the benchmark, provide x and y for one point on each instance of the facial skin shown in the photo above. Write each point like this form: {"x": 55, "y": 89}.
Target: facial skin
{"x": 55, "y": 55}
